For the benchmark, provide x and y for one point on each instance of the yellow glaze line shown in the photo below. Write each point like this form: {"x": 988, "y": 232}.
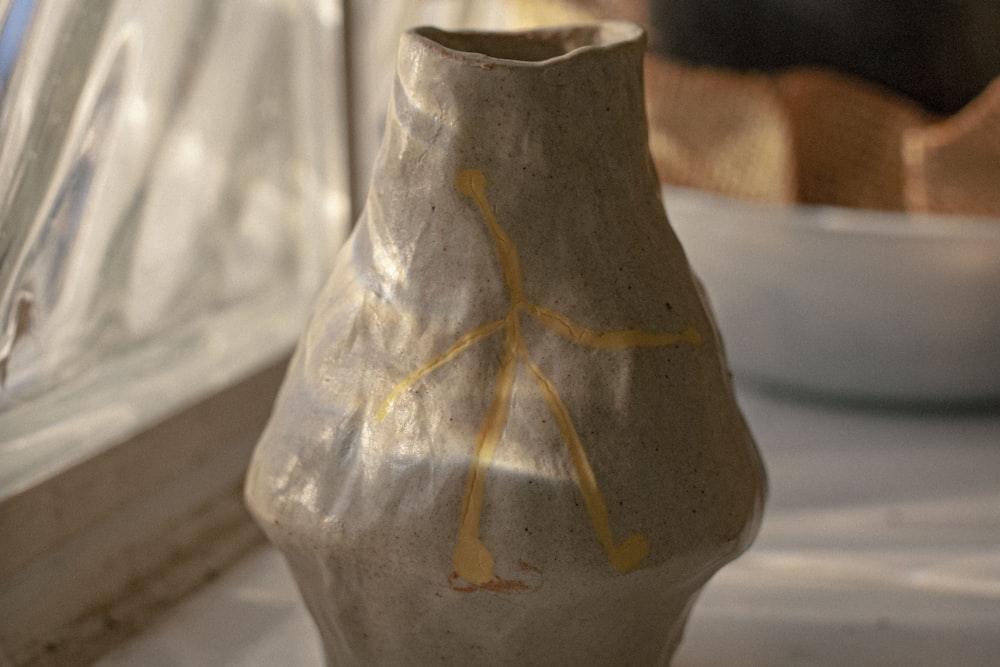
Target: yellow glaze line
{"x": 472, "y": 559}
{"x": 472, "y": 182}
{"x": 610, "y": 340}
{"x": 626, "y": 556}
{"x": 457, "y": 348}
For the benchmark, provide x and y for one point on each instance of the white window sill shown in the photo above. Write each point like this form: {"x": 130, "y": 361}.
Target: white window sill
{"x": 91, "y": 553}
{"x": 880, "y": 546}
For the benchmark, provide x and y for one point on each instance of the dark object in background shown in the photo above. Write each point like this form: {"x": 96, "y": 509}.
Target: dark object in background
{"x": 941, "y": 53}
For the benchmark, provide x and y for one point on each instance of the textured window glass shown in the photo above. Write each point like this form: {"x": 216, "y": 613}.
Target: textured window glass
{"x": 172, "y": 189}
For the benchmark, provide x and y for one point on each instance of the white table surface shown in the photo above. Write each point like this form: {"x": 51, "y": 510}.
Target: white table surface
{"x": 880, "y": 546}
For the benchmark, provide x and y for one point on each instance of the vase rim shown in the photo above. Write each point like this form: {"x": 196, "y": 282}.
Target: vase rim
{"x": 536, "y": 47}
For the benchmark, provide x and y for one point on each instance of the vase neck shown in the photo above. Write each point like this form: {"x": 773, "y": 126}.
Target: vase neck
{"x": 556, "y": 150}
{"x": 545, "y": 97}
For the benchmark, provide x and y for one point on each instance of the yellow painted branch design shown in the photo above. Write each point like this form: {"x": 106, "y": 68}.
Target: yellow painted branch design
{"x": 472, "y": 560}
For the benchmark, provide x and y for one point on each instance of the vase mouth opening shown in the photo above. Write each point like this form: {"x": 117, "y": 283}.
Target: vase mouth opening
{"x": 531, "y": 47}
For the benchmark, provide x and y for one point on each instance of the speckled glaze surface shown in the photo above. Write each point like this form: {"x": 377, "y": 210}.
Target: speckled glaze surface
{"x": 508, "y": 435}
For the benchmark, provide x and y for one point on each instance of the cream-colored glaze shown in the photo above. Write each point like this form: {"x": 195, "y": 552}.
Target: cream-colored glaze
{"x": 473, "y": 561}
{"x": 508, "y": 435}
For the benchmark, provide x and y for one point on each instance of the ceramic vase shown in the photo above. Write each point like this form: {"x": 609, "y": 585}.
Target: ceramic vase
{"x": 508, "y": 435}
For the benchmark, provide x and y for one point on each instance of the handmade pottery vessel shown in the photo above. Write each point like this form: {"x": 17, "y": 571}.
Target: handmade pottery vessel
{"x": 508, "y": 435}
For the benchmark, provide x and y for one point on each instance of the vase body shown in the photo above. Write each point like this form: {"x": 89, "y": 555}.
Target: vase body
{"x": 508, "y": 435}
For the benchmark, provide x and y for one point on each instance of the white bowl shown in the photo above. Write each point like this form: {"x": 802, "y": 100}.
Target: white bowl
{"x": 849, "y": 303}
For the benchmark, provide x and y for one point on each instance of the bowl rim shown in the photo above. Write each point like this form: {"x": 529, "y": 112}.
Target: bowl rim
{"x": 841, "y": 220}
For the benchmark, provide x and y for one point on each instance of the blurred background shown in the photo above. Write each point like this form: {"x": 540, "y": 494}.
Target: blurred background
{"x": 176, "y": 179}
